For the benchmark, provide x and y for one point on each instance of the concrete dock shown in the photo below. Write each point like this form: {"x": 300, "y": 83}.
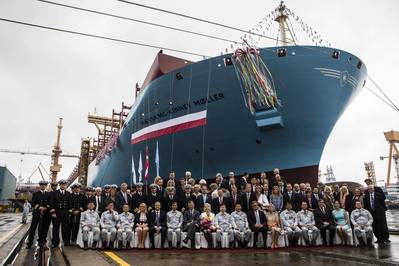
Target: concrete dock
{"x": 13, "y": 234}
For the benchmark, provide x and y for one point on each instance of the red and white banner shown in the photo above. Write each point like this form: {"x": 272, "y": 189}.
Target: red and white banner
{"x": 170, "y": 126}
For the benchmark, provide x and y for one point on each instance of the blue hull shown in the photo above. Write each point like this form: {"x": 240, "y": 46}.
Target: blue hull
{"x": 314, "y": 90}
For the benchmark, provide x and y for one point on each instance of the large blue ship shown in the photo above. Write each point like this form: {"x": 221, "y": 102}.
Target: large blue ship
{"x": 193, "y": 116}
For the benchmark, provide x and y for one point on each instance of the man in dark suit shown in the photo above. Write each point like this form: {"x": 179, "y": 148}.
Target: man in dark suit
{"x": 107, "y": 193}
{"x": 234, "y": 199}
{"x": 374, "y": 202}
{"x": 202, "y": 199}
{"x": 40, "y": 215}
{"x": 99, "y": 201}
{"x": 247, "y": 197}
{"x": 336, "y": 192}
{"x": 172, "y": 176}
{"x": 77, "y": 206}
{"x": 170, "y": 198}
{"x": 221, "y": 199}
{"x": 88, "y": 197}
{"x": 242, "y": 181}
{"x": 186, "y": 197}
{"x": 60, "y": 206}
{"x": 137, "y": 198}
{"x": 157, "y": 224}
{"x": 256, "y": 222}
{"x": 122, "y": 198}
{"x": 190, "y": 223}
{"x": 325, "y": 222}
{"x": 153, "y": 197}
{"x": 299, "y": 198}
{"x": 288, "y": 195}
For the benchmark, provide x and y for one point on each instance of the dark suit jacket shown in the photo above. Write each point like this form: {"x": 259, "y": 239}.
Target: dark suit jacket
{"x": 120, "y": 200}
{"x": 77, "y": 202}
{"x": 200, "y": 202}
{"x": 379, "y": 202}
{"x": 232, "y": 204}
{"x": 188, "y": 218}
{"x": 135, "y": 201}
{"x": 216, "y": 204}
{"x": 252, "y": 218}
{"x": 298, "y": 198}
{"x": 40, "y": 199}
{"x": 151, "y": 199}
{"x": 152, "y": 219}
{"x": 288, "y": 198}
{"x": 246, "y": 205}
{"x": 60, "y": 203}
{"x": 168, "y": 203}
{"x": 101, "y": 207}
{"x": 137, "y": 218}
{"x": 321, "y": 217}
{"x": 184, "y": 200}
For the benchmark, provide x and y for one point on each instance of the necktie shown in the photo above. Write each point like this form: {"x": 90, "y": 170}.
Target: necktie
{"x": 157, "y": 218}
{"x": 372, "y": 200}
{"x": 220, "y": 201}
{"x": 257, "y": 217}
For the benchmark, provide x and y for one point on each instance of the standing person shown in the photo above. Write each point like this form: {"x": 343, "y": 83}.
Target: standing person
{"x": 190, "y": 223}
{"x": 224, "y": 223}
{"x": 25, "y": 211}
{"x": 242, "y": 233}
{"x": 341, "y": 219}
{"x": 273, "y": 223}
{"x": 262, "y": 199}
{"x": 257, "y": 223}
{"x": 90, "y": 222}
{"x": 345, "y": 198}
{"x": 219, "y": 200}
{"x": 276, "y": 198}
{"x": 122, "y": 198}
{"x": 247, "y": 197}
{"x": 138, "y": 198}
{"x": 76, "y": 205}
{"x": 307, "y": 223}
{"x": 99, "y": 201}
{"x": 174, "y": 222}
{"x": 234, "y": 199}
{"x": 374, "y": 202}
{"x": 324, "y": 222}
{"x": 108, "y": 222}
{"x": 328, "y": 197}
{"x": 362, "y": 221}
{"x": 153, "y": 196}
{"x": 125, "y": 225}
{"x": 106, "y": 193}
{"x": 40, "y": 215}
{"x": 357, "y": 196}
{"x": 60, "y": 206}
{"x": 207, "y": 224}
{"x": 157, "y": 224}
{"x": 289, "y": 223}
{"x": 203, "y": 198}
{"x": 88, "y": 197}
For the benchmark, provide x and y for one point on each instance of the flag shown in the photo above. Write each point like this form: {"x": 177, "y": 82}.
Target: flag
{"x": 140, "y": 170}
{"x": 147, "y": 163}
{"x": 157, "y": 159}
{"x": 134, "y": 177}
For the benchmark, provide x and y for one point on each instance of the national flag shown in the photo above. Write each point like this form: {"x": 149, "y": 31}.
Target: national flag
{"x": 147, "y": 163}
{"x": 157, "y": 159}
{"x": 134, "y": 177}
{"x": 140, "y": 170}
{"x": 170, "y": 126}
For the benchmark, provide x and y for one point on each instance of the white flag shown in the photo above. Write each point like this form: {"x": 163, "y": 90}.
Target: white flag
{"x": 134, "y": 177}
{"x": 157, "y": 159}
{"x": 140, "y": 170}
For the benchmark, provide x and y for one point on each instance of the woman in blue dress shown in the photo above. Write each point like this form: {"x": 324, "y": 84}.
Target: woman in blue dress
{"x": 341, "y": 219}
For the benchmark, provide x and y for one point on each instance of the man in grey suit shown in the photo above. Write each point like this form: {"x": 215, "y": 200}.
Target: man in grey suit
{"x": 190, "y": 223}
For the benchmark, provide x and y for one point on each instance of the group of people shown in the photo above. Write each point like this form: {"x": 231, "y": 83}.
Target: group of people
{"x": 236, "y": 208}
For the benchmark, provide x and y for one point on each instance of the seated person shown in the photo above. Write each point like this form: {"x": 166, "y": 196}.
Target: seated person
{"x": 242, "y": 233}
{"x": 141, "y": 220}
{"x": 256, "y": 222}
{"x": 108, "y": 221}
{"x": 190, "y": 223}
{"x": 224, "y": 223}
{"x": 174, "y": 221}
{"x": 273, "y": 223}
{"x": 306, "y": 222}
{"x": 157, "y": 224}
{"x": 324, "y": 221}
{"x": 289, "y": 223}
{"x": 125, "y": 225}
{"x": 207, "y": 225}
{"x": 90, "y": 222}
{"x": 362, "y": 222}
{"x": 341, "y": 219}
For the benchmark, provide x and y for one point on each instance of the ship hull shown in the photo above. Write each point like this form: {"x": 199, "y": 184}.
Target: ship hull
{"x": 314, "y": 90}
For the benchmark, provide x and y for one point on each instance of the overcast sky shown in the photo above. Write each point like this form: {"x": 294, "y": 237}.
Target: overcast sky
{"x": 45, "y": 75}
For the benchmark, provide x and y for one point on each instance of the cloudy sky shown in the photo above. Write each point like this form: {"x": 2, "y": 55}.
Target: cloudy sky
{"x": 45, "y": 75}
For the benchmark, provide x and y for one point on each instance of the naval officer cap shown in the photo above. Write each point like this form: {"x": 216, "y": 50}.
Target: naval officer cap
{"x": 139, "y": 184}
{"x": 114, "y": 186}
{"x": 43, "y": 182}
{"x": 107, "y": 186}
{"x": 89, "y": 189}
{"x": 153, "y": 186}
{"x": 62, "y": 181}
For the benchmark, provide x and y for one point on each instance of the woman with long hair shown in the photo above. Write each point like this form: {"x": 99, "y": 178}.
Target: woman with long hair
{"x": 141, "y": 219}
{"x": 341, "y": 219}
{"x": 276, "y": 198}
{"x": 357, "y": 196}
{"x": 261, "y": 198}
{"x": 344, "y": 198}
{"x": 273, "y": 223}
{"x": 207, "y": 225}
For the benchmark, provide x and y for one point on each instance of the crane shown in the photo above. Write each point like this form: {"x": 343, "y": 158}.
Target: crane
{"x": 37, "y": 153}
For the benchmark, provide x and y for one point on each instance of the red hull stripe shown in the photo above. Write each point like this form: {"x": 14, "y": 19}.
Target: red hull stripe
{"x": 141, "y": 136}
